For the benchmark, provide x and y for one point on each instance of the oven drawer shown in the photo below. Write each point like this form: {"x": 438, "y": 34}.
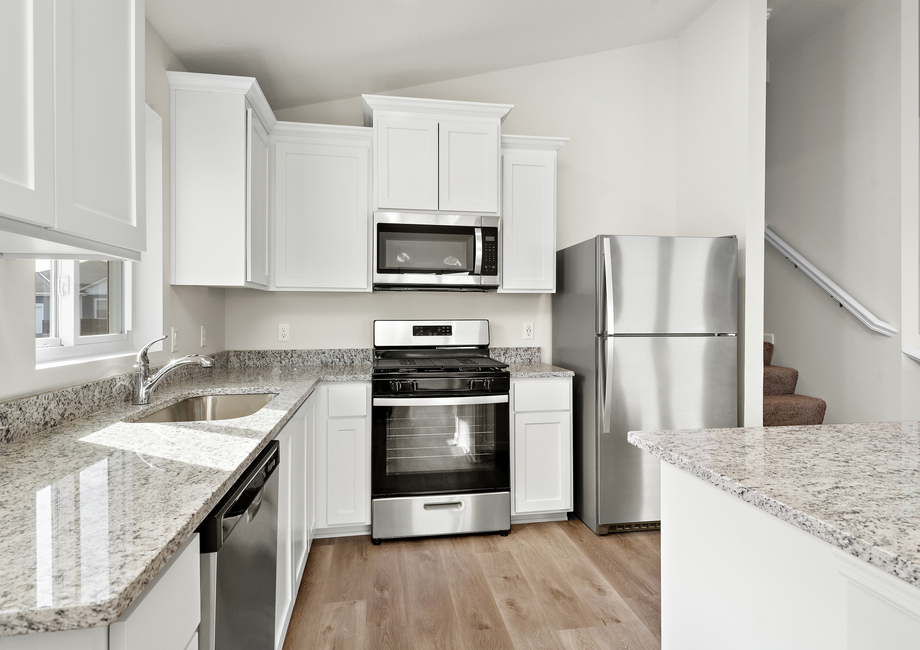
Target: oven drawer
{"x": 445, "y": 514}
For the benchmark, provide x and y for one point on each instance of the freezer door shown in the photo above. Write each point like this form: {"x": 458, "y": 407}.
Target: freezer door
{"x": 655, "y": 383}
{"x": 667, "y": 285}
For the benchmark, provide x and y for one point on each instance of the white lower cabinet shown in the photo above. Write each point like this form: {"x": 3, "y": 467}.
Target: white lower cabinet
{"x": 541, "y": 445}
{"x": 295, "y": 511}
{"x": 342, "y": 464}
{"x": 166, "y": 615}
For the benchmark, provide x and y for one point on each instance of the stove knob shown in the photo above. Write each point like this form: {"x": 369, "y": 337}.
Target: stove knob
{"x": 395, "y": 386}
{"x": 487, "y": 384}
{"x": 472, "y": 384}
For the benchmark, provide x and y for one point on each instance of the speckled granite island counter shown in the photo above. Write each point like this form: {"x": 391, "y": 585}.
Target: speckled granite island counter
{"x": 793, "y": 537}
{"x": 92, "y": 509}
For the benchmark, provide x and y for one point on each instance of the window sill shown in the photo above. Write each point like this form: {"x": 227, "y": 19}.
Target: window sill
{"x": 86, "y": 358}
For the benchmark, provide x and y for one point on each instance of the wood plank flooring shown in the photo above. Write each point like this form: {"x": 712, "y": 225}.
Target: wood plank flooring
{"x": 548, "y": 586}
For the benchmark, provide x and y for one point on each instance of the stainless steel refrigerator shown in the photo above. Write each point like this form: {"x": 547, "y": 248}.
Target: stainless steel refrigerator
{"x": 649, "y": 325}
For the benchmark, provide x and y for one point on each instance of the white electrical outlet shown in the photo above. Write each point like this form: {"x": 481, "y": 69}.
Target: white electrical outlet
{"x": 528, "y": 331}
{"x": 174, "y": 339}
{"x": 204, "y": 336}
{"x": 284, "y": 332}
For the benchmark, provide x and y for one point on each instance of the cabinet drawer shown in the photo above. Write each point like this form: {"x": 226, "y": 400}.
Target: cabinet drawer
{"x": 542, "y": 395}
{"x": 347, "y": 401}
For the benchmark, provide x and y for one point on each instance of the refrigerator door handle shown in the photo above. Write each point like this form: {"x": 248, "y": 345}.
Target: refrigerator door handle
{"x": 607, "y": 406}
{"x": 607, "y": 325}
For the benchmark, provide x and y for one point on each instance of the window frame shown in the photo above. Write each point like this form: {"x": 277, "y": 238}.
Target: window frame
{"x": 65, "y": 309}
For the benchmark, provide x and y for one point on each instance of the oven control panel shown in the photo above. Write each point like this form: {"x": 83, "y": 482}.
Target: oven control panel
{"x": 432, "y": 330}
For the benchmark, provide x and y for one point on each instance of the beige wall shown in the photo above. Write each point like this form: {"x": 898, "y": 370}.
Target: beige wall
{"x": 185, "y": 308}
{"x": 834, "y": 110}
{"x": 616, "y": 175}
{"x": 720, "y": 168}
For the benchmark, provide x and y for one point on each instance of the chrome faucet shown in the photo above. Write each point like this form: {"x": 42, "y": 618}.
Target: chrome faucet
{"x": 144, "y": 384}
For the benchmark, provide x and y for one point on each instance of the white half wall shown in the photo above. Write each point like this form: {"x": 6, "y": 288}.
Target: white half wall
{"x": 833, "y": 169}
{"x": 720, "y": 161}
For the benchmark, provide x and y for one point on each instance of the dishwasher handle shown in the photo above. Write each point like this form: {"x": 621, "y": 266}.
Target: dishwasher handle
{"x": 243, "y": 499}
{"x": 248, "y": 504}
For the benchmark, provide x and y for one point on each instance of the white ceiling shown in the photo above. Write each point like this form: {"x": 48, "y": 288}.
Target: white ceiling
{"x": 309, "y": 51}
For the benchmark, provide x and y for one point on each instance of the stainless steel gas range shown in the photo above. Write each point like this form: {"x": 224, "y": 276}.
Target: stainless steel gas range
{"x": 440, "y": 460}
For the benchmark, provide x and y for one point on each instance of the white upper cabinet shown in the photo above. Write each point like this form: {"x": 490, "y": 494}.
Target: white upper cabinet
{"x": 220, "y": 180}
{"x": 435, "y": 154}
{"x": 407, "y": 163}
{"x": 27, "y": 109}
{"x": 529, "y": 214}
{"x": 321, "y": 207}
{"x": 73, "y": 122}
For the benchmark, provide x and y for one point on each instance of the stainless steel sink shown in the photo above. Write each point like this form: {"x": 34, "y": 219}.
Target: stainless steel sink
{"x": 210, "y": 407}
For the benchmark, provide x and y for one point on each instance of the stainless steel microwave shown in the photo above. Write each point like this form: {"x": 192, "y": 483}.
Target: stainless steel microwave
{"x": 436, "y": 252}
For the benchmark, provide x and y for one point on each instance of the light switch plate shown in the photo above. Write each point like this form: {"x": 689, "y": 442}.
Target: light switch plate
{"x": 174, "y": 339}
{"x": 204, "y": 336}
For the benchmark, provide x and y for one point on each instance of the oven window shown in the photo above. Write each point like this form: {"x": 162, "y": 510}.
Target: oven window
{"x": 425, "y": 249}
{"x": 443, "y": 448}
{"x": 424, "y": 439}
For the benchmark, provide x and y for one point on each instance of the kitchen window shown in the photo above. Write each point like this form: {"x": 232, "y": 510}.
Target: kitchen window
{"x": 82, "y": 308}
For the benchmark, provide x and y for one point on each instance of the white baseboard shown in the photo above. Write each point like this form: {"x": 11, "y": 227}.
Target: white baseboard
{"x": 539, "y": 518}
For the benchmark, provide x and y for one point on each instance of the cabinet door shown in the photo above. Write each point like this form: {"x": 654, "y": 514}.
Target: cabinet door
{"x": 310, "y": 441}
{"x": 542, "y": 462}
{"x": 27, "y": 107}
{"x": 528, "y": 221}
{"x": 468, "y": 154}
{"x": 347, "y": 489}
{"x": 284, "y": 585}
{"x": 321, "y": 217}
{"x": 299, "y": 474}
{"x": 167, "y": 613}
{"x": 407, "y": 163}
{"x": 257, "y": 236}
{"x": 100, "y": 120}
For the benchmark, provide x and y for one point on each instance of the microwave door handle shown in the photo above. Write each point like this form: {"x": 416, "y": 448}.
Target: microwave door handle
{"x": 477, "y": 265}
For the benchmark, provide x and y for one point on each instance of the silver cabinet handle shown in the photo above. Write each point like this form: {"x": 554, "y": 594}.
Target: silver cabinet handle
{"x": 450, "y": 505}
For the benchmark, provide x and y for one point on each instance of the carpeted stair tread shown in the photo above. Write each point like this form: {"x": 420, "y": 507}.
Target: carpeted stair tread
{"x": 778, "y": 380}
{"x": 767, "y": 353}
{"x": 788, "y": 410}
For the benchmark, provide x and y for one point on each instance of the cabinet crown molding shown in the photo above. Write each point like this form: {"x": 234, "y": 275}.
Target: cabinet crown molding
{"x": 431, "y": 106}
{"x": 533, "y": 142}
{"x": 248, "y": 86}
{"x": 333, "y": 131}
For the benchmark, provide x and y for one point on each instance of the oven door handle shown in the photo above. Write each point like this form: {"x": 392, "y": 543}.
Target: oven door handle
{"x": 439, "y": 401}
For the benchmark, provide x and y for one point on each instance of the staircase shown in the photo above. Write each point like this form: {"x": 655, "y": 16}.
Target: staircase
{"x": 781, "y": 406}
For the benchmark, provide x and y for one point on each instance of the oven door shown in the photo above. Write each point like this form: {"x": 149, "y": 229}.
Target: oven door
{"x": 439, "y": 445}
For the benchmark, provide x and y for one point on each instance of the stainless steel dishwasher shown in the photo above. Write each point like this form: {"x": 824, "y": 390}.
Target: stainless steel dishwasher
{"x": 239, "y": 546}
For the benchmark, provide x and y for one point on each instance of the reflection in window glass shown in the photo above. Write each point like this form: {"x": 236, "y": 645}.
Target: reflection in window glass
{"x": 43, "y": 284}
{"x": 101, "y": 298}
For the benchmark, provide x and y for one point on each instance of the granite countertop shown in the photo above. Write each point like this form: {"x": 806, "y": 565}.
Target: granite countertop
{"x": 91, "y": 510}
{"x": 537, "y": 369}
{"x": 855, "y": 486}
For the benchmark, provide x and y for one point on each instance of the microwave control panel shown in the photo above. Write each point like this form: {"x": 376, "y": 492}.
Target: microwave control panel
{"x": 489, "y": 251}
